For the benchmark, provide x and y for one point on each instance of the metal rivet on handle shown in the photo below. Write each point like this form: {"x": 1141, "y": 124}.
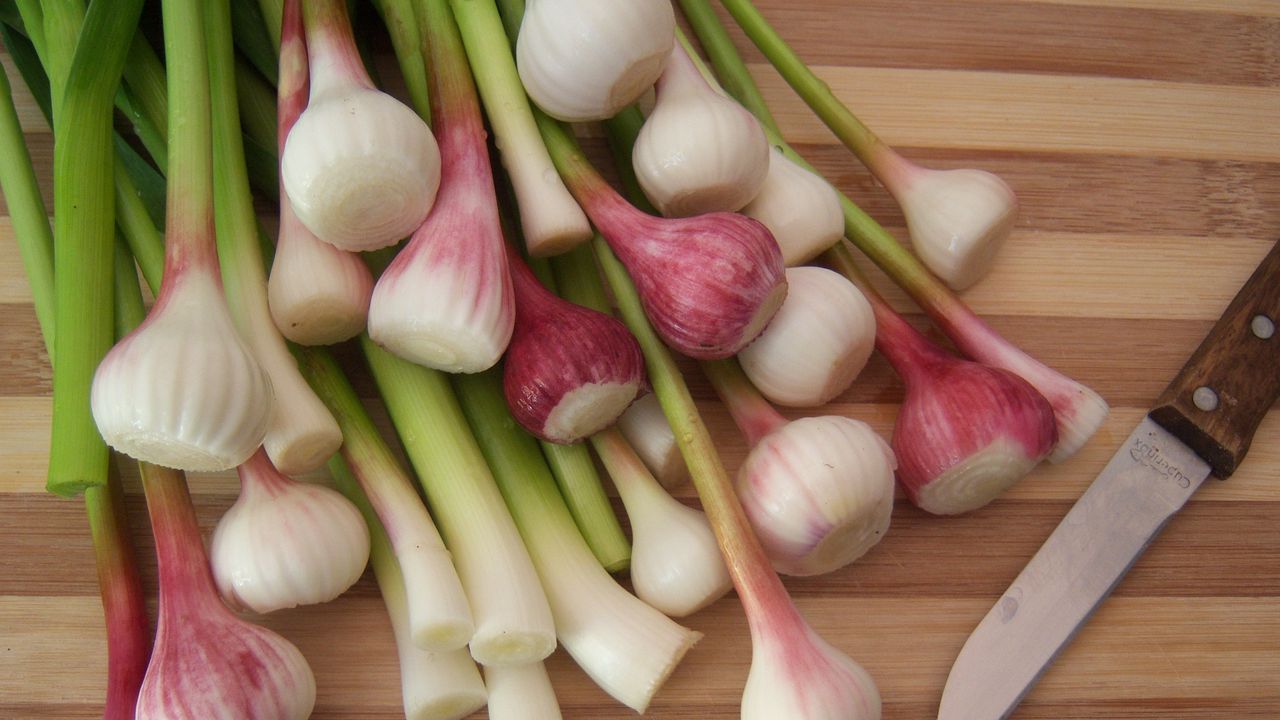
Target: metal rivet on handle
{"x": 1263, "y": 327}
{"x": 1205, "y": 398}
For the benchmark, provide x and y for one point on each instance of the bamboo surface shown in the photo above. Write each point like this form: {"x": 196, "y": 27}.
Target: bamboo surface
{"x": 1143, "y": 139}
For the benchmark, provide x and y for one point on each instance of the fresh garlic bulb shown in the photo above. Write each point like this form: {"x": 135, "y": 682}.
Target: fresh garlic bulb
{"x": 816, "y": 344}
{"x": 797, "y": 675}
{"x": 360, "y": 167}
{"x": 800, "y": 208}
{"x": 958, "y": 220}
{"x": 819, "y": 493}
{"x": 285, "y": 543}
{"x": 585, "y": 60}
{"x": 647, "y": 431}
{"x": 183, "y": 390}
{"x": 699, "y": 151}
{"x": 521, "y": 692}
{"x": 676, "y": 564}
{"x": 318, "y": 294}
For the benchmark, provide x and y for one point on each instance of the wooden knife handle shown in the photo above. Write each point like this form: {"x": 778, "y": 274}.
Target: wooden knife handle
{"x": 1216, "y": 401}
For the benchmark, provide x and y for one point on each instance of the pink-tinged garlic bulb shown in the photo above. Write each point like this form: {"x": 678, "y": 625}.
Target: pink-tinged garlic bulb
{"x": 816, "y": 345}
{"x": 819, "y": 493}
{"x": 360, "y": 167}
{"x": 183, "y": 390}
{"x": 966, "y": 431}
{"x": 569, "y": 371}
{"x": 699, "y": 151}
{"x": 285, "y": 543}
{"x": 647, "y": 431}
{"x": 588, "y": 59}
{"x": 797, "y": 675}
{"x": 800, "y": 208}
{"x": 446, "y": 300}
{"x": 958, "y": 219}
{"x": 208, "y": 664}
{"x": 709, "y": 283}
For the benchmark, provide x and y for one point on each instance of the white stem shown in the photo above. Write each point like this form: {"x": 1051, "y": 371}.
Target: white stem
{"x": 521, "y": 692}
{"x": 650, "y": 435}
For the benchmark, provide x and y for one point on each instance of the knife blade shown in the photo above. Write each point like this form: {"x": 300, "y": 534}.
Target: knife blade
{"x": 1201, "y": 424}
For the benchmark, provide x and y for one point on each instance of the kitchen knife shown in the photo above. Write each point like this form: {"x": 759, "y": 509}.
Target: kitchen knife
{"x": 1201, "y": 424}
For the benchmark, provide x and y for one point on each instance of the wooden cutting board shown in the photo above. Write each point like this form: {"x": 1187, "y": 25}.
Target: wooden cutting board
{"x": 1143, "y": 138}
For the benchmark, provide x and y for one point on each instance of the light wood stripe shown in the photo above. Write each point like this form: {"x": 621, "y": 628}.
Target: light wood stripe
{"x": 1186, "y": 647}
{"x": 1004, "y": 111}
{"x": 1261, "y": 8}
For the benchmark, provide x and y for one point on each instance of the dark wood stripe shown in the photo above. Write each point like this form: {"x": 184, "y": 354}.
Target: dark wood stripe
{"x": 1220, "y": 49}
{"x": 1216, "y": 549}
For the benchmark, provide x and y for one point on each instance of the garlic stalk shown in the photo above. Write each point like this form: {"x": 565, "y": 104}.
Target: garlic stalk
{"x": 1078, "y": 410}
{"x": 958, "y": 219}
{"x": 699, "y": 151}
{"x": 586, "y": 60}
{"x": 627, "y": 647}
{"x": 443, "y": 685}
{"x": 675, "y": 562}
{"x": 770, "y": 612}
{"x": 649, "y": 434}
{"x": 318, "y": 294}
{"x": 183, "y": 390}
{"x": 440, "y": 617}
{"x": 521, "y": 692}
{"x": 513, "y": 623}
{"x": 551, "y": 219}
{"x": 570, "y": 371}
{"x": 965, "y": 432}
{"x": 361, "y": 169}
{"x": 446, "y": 300}
{"x": 818, "y": 490}
{"x": 207, "y": 663}
{"x": 301, "y": 434}
{"x": 285, "y": 543}
{"x": 800, "y": 208}
{"x": 816, "y": 345}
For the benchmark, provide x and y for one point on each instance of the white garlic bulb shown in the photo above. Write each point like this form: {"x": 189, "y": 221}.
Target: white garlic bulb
{"x": 676, "y": 564}
{"x": 285, "y": 543}
{"x": 816, "y": 344}
{"x": 797, "y": 675}
{"x": 698, "y": 151}
{"x": 818, "y": 492}
{"x": 800, "y": 208}
{"x": 360, "y": 168}
{"x": 183, "y": 390}
{"x": 585, "y": 60}
{"x": 958, "y": 220}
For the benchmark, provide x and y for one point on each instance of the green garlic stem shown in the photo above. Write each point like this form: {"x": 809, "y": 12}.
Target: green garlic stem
{"x": 407, "y": 44}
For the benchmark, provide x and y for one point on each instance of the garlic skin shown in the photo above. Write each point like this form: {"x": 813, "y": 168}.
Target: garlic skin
{"x": 817, "y": 343}
{"x": 819, "y": 493}
{"x": 285, "y": 543}
{"x": 648, "y": 433}
{"x": 183, "y": 390}
{"x": 360, "y": 168}
{"x": 797, "y": 675}
{"x": 318, "y": 294}
{"x": 967, "y": 432}
{"x": 958, "y": 220}
{"x": 583, "y": 60}
{"x": 699, "y": 151}
{"x": 800, "y": 208}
